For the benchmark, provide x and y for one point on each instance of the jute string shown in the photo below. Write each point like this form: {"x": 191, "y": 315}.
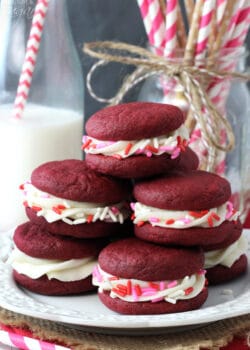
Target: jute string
{"x": 193, "y": 80}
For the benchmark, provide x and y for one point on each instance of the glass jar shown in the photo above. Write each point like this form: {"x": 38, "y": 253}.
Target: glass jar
{"x": 231, "y": 98}
{"x": 52, "y": 123}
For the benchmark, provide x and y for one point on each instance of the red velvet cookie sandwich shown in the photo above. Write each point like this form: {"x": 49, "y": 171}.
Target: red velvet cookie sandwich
{"x": 227, "y": 260}
{"x": 134, "y": 140}
{"x": 169, "y": 280}
{"x": 51, "y": 264}
{"x": 184, "y": 209}
{"x": 67, "y": 198}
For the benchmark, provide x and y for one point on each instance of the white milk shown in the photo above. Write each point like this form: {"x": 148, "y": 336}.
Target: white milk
{"x": 43, "y": 134}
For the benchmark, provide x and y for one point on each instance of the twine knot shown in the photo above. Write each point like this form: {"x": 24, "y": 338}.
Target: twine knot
{"x": 193, "y": 80}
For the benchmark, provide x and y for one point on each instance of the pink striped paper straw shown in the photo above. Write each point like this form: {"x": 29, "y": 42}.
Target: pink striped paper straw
{"x": 153, "y": 22}
{"x": 30, "y": 57}
{"x": 240, "y": 27}
{"x": 204, "y": 30}
{"x": 27, "y": 343}
{"x": 220, "y": 8}
{"x": 171, "y": 28}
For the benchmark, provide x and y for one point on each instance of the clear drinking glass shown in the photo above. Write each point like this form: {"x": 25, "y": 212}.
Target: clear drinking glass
{"x": 232, "y": 99}
{"x": 52, "y": 123}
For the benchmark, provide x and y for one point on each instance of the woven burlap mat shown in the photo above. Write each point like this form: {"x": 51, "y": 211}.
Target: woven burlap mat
{"x": 212, "y": 336}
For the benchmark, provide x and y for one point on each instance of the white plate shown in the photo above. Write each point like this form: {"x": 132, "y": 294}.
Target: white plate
{"x": 228, "y": 300}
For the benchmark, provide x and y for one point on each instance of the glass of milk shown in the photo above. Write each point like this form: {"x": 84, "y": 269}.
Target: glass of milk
{"x": 52, "y": 123}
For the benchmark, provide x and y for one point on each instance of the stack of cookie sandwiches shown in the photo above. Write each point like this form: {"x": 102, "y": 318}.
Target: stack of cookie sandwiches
{"x": 72, "y": 212}
{"x": 135, "y": 218}
{"x": 183, "y": 219}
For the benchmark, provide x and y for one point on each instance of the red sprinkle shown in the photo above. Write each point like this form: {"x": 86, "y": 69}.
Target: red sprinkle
{"x": 119, "y": 292}
{"x": 216, "y": 217}
{"x": 61, "y": 206}
{"x": 122, "y": 288}
{"x": 140, "y": 223}
{"x": 117, "y": 156}
{"x": 86, "y": 144}
{"x": 153, "y": 285}
{"x": 138, "y": 290}
{"x": 198, "y": 214}
{"x": 210, "y": 220}
{"x": 57, "y": 210}
{"x": 151, "y": 149}
{"x": 21, "y": 187}
{"x": 132, "y": 217}
{"x": 90, "y": 218}
{"x": 128, "y": 148}
{"x": 189, "y": 290}
{"x": 113, "y": 278}
{"x": 182, "y": 144}
{"x": 35, "y": 208}
{"x": 170, "y": 221}
{"x": 25, "y": 203}
{"x": 211, "y": 217}
{"x": 129, "y": 287}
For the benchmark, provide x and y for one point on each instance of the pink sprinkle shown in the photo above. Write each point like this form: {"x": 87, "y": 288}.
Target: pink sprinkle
{"x": 96, "y": 273}
{"x": 134, "y": 294}
{"x": 101, "y": 145}
{"x": 201, "y": 272}
{"x": 149, "y": 154}
{"x": 115, "y": 210}
{"x": 84, "y": 138}
{"x": 156, "y": 300}
{"x": 153, "y": 219}
{"x": 166, "y": 148}
{"x": 139, "y": 151}
{"x": 229, "y": 210}
{"x": 45, "y": 195}
{"x": 148, "y": 293}
{"x": 176, "y": 153}
{"x": 187, "y": 220}
{"x": 162, "y": 285}
{"x": 132, "y": 206}
{"x": 172, "y": 284}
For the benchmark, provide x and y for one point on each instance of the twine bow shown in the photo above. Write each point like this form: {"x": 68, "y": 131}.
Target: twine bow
{"x": 193, "y": 80}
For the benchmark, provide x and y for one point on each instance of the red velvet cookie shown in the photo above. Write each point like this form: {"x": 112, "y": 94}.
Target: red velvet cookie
{"x": 132, "y": 284}
{"x": 68, "y": 198}
{"x": 137, "y": 139}
{"x": 52, "y": 264}
{"x": 141, "y": 166}
{"x": 184, "y": 208}
{"x": 227, "y": 260}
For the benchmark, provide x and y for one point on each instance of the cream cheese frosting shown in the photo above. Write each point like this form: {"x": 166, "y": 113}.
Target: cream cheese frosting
{"x": 53, "y": 208}
{"x": 183, "y": 218}
{"x": 171, "y": 144}
{"x": 65, "y": 271}
{"x": 133, "y": 290}
{"x": 227, "y": 256}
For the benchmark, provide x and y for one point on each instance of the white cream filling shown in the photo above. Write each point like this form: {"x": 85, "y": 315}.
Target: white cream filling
{"x": 170, "y": 291}
{"x": 227, "y": 256}
{"x": 65, "y": 271}
{"x": 183, "y": 219}
{"x": 53, "y": 208}
{"x": 162, "y": 144}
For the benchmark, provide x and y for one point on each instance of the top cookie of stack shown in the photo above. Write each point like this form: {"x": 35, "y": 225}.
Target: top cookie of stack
{"x": 138, "y": 139}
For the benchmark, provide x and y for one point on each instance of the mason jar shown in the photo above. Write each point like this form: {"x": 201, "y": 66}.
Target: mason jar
{"x": 231, "y": 98}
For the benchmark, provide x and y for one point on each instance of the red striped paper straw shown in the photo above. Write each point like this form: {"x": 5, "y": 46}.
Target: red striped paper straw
{"x": 30, "y": 57}
{"x": 171, "y": 28}
{"x": 204, "y": 30}
{"x": 153, "y": 22}
{"x": 27, "y": 343}
{"x": 220, "y": 8}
